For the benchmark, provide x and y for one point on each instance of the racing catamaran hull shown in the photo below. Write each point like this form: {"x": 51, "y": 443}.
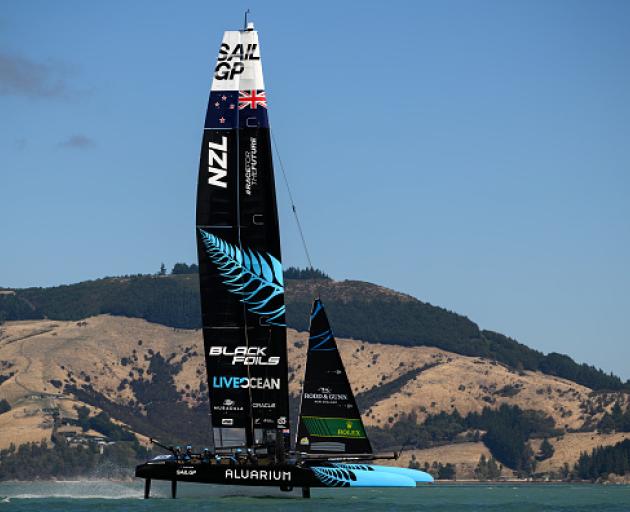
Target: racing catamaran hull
{"x": 284, "y": 476}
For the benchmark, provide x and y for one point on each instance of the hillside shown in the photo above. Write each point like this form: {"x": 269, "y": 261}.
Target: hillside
{"x": 357, "y": 309}
{"x": 151, "y": 378}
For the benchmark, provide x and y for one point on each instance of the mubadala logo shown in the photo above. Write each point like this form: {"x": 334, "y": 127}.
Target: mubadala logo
{"x": 245, "y": 383}
{"x": 247, "y": 356}
{"x": 217, "y": 162}
{"x": 228, "y": 405}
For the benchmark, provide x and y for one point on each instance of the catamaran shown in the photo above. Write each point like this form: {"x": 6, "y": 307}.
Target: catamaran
{"x": 243, "y": 316}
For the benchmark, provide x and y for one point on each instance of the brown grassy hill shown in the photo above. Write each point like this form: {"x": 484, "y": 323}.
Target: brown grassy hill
{"x": 111, "y": 355}
{"x": 465, "y": 456}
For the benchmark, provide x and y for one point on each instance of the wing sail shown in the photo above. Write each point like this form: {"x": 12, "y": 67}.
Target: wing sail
{"x": 329, "y": 421}
{"x": 238, "y": 240}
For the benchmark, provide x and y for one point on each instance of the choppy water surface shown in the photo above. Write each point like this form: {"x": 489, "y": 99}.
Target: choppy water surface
{"x": 96, "y": 496}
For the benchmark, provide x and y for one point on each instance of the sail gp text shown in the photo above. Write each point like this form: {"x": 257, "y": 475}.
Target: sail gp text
{"x": 226, "y": 69}
{"x": 245, "y": 383}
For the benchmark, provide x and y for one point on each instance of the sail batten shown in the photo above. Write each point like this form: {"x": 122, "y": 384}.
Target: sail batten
{"x": 240, "y": 269}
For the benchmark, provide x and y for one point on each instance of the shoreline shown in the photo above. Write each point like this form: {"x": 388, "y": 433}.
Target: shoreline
{"x": 525, "y": 482}
{"x": 462, "y": 482}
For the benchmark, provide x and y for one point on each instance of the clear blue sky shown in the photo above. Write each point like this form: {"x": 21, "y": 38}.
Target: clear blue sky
{"x": 473, "y": 154}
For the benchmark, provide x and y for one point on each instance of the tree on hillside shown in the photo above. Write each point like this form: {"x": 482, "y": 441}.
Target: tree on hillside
{"x": 487, "y": 469}
{"x": 440, "y": 471}
{"x": 546, "y": 450}
{"x": 183, "y": 268}
{"x": 604, "y": 460}
{"x": 606, "y": 424}
{"x": 446, "y": 472}
{"x": 413, "y": 463}
{"x": 83, "y": 417}
{"x": 508, "y": 429}
{"x": 615, "y": 420}
{"x": 4, "y": 406}
{"x": 305, "y": 273}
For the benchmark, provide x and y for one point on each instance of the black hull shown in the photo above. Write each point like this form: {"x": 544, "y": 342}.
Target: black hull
{"x": 284, "y": 476}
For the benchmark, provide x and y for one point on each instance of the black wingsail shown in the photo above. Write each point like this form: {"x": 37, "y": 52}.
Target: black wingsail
{"x": 329, "y": 421}
{"x": 238, "y": 240}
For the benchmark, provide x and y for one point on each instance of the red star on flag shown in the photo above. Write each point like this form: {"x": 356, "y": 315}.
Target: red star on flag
{"x": 222, "y": 120}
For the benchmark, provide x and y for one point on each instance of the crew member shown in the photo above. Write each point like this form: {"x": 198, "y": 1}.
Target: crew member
{"x": 205, "y": 456}
{"x": 234, "y": 457}
{"x": 189, "y": 454}
{"x": 251, "y": 456}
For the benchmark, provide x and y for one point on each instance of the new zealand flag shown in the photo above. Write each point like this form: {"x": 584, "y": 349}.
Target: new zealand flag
{"x": 222, "y": 110}
{"x": 225, "y": 106}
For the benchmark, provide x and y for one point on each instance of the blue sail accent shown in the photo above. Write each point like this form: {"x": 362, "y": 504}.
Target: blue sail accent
{"x": 327, "y": 332}
{"x": 318, "y": 307}
{"x": 256, "y": 278}
{"x": 322, "y": 338}
{"x": 327, "y": 335}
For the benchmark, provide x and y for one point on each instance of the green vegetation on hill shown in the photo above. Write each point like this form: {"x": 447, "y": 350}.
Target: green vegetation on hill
{"x": 159, "y": 411}
{"x": 5, "y": 406}
{"x": 508, "y": 431}
{"x": 603, "y": 461}
{"x": 487, "y": 469}
{"x": 102, "y": 424}
{"x": 183, "y": 268}
{"x": 305, "y": 273}
{"x": 378, "y": 392}
{"x": 357, "y": 309}
{"x": 615, "y": 421}
{"x": 32, "y": 461}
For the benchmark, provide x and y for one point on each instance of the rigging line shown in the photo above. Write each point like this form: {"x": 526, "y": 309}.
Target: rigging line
{"x": 295, "y": 214}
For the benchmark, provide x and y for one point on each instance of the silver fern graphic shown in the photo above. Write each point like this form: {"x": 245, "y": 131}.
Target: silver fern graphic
{"x": 356, "y": 467}
{"x": 254, "y": 276}
{"x": 334, "y": 477}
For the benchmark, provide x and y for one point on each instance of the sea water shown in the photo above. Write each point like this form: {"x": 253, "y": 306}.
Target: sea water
{"x": 96, "y": 496}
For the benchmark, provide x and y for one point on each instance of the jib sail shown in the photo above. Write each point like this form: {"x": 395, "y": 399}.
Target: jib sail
{"x": 329, "y": 420}
{"x": 242, "y": 291}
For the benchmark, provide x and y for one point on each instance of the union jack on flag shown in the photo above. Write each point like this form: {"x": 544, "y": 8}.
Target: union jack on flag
{"x": 252, "y": 99}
